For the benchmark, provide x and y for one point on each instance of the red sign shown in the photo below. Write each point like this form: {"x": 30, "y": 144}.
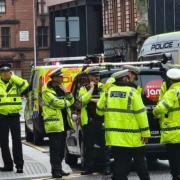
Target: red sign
{"x": 152, "y": 90}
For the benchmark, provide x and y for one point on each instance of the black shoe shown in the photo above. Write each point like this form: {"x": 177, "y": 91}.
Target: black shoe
{"x": 19, "y": 170}
{"x": 6, "y": 169}
{"x": 86, "y": 172}
{"x": 107, "y": 171}
{"x": 56, "y": 175}
{"x": 63, "y": 173}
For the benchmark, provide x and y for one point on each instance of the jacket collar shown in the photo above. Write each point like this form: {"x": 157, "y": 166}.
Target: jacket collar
{"x": 175, "y": 85}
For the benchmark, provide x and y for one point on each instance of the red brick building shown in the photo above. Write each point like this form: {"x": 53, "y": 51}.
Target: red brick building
{"x": 17, "y": 33}
{"x": 125, "y": 25}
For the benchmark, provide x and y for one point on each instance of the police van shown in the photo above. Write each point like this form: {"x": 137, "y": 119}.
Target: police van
{"x": 160, "y": 44}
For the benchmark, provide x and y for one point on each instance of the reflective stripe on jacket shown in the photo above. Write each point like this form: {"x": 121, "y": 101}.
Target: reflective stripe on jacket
{"x": 163, "y": 90}
{"x": 85, "y": 97}
{"x": 52, "y": 115}
{"x": 170, "y": 105}
{"x": 125, "y": 116}
{"x": 10, "y": 100}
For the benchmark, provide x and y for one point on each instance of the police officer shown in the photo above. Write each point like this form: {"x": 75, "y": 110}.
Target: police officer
{"x": 169, "y": 106}
{"x": 57, "y": 119}
{"x": 166, "y": 84}
{"x": 133, "y": 76}
{"x": 90, "y": 121}
{"x": 11, "y": 89}
{"x": 126, "y": 126}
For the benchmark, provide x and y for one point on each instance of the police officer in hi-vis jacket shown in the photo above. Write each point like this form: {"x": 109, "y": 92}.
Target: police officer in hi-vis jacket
{"x": 12, "y": 89}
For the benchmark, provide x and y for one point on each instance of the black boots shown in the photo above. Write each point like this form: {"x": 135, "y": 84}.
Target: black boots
{"x": 107, "y": 171}
{"x": 6, "y": 169}
{"x": 63, "y": 173}
{"x": 59, "y": 173}
{"x": 56, "y": 174}
{"x": 86, "y": 172}
{"x": 19, "y": 170}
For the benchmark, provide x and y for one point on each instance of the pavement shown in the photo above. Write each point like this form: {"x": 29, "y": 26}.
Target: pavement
{"x": 36, "y": 162}
{"x": 37, "y": 167}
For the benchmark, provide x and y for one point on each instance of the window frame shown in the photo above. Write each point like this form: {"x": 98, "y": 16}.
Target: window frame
{"x": 2, "y": 6}
{"x": 42, "y": 37}
{"x": 6, "y": 37}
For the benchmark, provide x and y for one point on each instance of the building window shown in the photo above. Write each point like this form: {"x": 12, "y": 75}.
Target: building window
{"x": 42, "y": 7}
{"x": 42, "y": 36}
{"x": 5, "y": 37}
{"x": 2, "y": 6}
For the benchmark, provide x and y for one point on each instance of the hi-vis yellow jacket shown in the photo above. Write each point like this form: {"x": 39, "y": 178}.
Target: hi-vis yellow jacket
{"x": 10, "y": 100}
{"x": 170, "y": 105}
{"x": 125, "y": 117}
{"x": 52, "y": 105}
{"x": 85, "y": 97}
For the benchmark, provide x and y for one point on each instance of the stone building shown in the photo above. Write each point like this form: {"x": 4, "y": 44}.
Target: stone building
{"x": 17, "y": 33}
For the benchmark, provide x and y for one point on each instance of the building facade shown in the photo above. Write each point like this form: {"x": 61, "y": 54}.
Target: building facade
{"x": 125, "y": 26}
{"x": 75, "y": 27}
{"x": 17, "y": 28}
{"x": 164, "y": 16}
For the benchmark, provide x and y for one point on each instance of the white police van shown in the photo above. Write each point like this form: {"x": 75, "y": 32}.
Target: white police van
{"x": 160, "y": 44}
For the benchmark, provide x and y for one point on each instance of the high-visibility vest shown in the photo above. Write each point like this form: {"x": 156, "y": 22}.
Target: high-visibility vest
{"x": 125, "y": 117}
{"x": 52, "y": 115}
{"x": 10, "y": 100}
{"x": 85, "y": 97}
{"x": 169, "y": 104}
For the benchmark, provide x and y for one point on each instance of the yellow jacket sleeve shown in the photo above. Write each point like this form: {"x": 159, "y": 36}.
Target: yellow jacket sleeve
{"x": 21, "y": 83}
{"x": 84, "y": 96}
{"x": 100, "y": 109}
{"x": 51, "y": 100}
{"x": 166, "y": 102}
{"x": 140, "y": 114}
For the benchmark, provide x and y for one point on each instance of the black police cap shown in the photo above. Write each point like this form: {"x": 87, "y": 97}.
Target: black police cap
{"x": 5, "y": 67}
{"x": 56, "y": 73}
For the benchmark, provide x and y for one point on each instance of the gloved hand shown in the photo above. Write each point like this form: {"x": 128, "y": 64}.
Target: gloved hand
{"x": 69, "y": 96}
{"x": 156, "y": 114}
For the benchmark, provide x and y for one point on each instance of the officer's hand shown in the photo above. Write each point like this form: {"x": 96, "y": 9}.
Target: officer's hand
{"x": 155, "y": 113}
{"x": 63, "y": 88}
{"x": 92, "y": 83}
{"x": 144, "y": 140}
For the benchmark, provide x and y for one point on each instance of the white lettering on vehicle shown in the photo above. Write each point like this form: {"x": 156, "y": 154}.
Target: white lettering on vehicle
{"x": 153, "y": 92}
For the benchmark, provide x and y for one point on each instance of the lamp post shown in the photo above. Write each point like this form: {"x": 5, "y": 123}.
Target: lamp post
{"x": 34, "y": 32}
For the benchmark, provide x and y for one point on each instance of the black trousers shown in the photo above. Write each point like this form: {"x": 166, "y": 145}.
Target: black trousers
{"x": 122, "y": 162}
{"x": 88, "y": 140}
{"x": 94, "y": 134}
{"x": 173, "y": 152}
{"x": 57, "y": 148}
{"x": 11, "y": 123}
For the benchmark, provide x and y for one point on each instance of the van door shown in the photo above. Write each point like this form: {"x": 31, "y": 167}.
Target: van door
{"x": 31, "y": 99}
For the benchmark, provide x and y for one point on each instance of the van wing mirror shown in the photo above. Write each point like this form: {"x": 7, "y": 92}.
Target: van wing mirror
{"x": 166, "y": 57}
